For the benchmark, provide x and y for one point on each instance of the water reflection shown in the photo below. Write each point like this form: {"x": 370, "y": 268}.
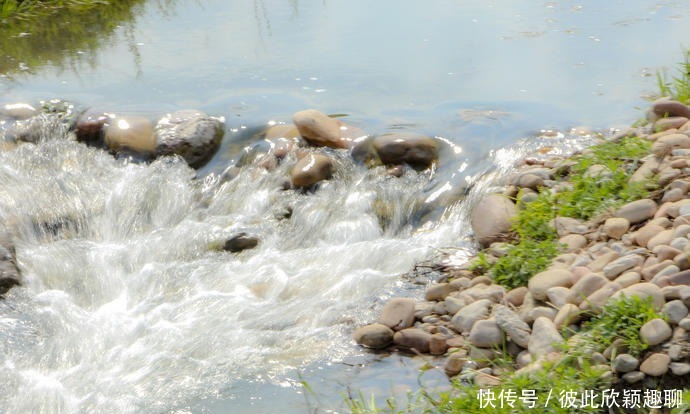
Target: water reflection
{"x": 68, "y": 38}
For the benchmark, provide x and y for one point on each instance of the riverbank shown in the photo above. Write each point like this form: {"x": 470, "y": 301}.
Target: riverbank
{"x": 581, "y": 284}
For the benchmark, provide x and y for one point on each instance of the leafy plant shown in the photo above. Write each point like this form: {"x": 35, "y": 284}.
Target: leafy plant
{"x": 523, "y": 261}
{"x": 592, "y": 195}
{"x": 621, "y": 319}
{"x": 678, "y": 87}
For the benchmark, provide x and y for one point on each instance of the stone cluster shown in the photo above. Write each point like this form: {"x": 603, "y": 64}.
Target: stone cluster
{"x": 640, "y": 249}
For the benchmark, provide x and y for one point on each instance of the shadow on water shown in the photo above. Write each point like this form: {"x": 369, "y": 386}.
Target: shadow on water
{"x": 66, "y": 37}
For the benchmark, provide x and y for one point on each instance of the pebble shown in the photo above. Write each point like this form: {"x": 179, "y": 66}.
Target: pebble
{"x": 655, "y": 332}
{"x": 628, "y": 279}
{"x": 585, "y": 287}
{"x": 633, "y": 377}
{"x": 398, "y": 313}
{"x": 656, "y": 365}
{"x": 637, "y": 211}
{"x": 625, "y": 363}
{"x": 644, "y": 290}
{"x": 510, "y": 322}
{"x": 438, "y": 291}
{"x": 486, "y": 334}
{"x": 544, "y": 339}
{"x": 599, "y": 298}
{"x": 516, "y": 296}
{"x": 680, "y": 368}
{"x": 438, "y": 344}
{"x": 466, "y": 317}
{"x": 541, "y": 282}
{"x": 541, "y": 312}
{"x": 454, "y": 363}
{"x": 645, "y": 233}
{"x": 491, "y": 218}
{"x": 558, "y": 296}
{"x": 676, "y": 311}
{"x": 616, "y": 227}
{"x": 573, "y": 242}
{"x": 453, "y": 303}
{"x": 685, "y": 324}
{"x": 319, "y": 129}
{"x": 663, "y": 237}
{"x": 413, "y": 338}
{"x": 568, "y": 314}
{"x": 665, "y": 252}
{"x": 597, "y": 265}
{"x": 373, "y": 336}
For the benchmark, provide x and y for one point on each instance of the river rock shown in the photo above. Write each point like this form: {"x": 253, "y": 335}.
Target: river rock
{"x": 628, "y": 279}
{"x": 664, "y": 252}
{"x": 311, "y": 169}
{"x": 454, "y": 363}
{"x": 633, "y": 377}
{"x": 130, "y": 133}
{"x": 597, "y": 265}
{"x": 665, "y": 144}
{"x": 567, "y": 314}
{"x": 516, "y": 296}
{"x": 9, "y": 272}
{"x": 541, "y": 282}
{"x": 662, "y": 238}
{"x": 398, "y": 313}
{"x": 413, "y": 338}
{"x": 656, "y": 365}
{"x": 89, "y": 126}
{"x": 637, "y": 211}
{"x": 643, "y": 290}
{"x": 510, "y": 322}
{"x": 191, "y": 134}
{"x": 438, "y": 291}
{"x": 620, "y": 265}
{"x": 544, "y": 339}
{"x": 375, "y": 336}
{"x": 655, "y": 332}
{"x": 598, "y": 299}
{"x": 491, "y": 218}
{"x": 319, "y": 129}
{"x": 242, "y": 241}
{"x": 558, "y": 295}
{"x": 625, "y": 363}
{"x": 18, "y": 111}
{"x": 674, "y": 122}
{"x": 616, "y": 227}
{"x": 680, "y": 278}
{"x": 584, "y": 287}
{"x": 492, "y": 292}
{"x": 417, "y": 151}
{"x": 573, "y": 242}
{"x": 486, "y": 334}
{"x": 675, "y": 311}
{"x": 647, "y": 170}
{"x": 466, "y": 317}
{"x": 680, "y": 368}
{"x": 665, "y": 107}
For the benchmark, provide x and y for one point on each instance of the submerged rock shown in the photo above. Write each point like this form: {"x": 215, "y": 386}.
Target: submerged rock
{"x": 89, "y": 126}
{"x": 311, "y": 169}
{"x": 191, "y": 134}
{"x": 18, "y": 111}
{"x": 417, "y": 151}
{"x": 319, "y": 129}
{"x": 242, "y": 241}
{"x": 9, "y": 272}
{"x": 130, "y": 133}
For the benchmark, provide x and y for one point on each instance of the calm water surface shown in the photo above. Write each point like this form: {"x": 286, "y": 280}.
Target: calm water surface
{"x": 135, "y": 315}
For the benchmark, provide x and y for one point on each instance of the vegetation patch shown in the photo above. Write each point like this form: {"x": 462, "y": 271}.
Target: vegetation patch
{"x": 677, "y": 87}
{"x": 621, "y": 319}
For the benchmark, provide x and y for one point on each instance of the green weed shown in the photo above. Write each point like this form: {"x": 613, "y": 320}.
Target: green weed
{"x": 621, "y": 319}
{"x": 677, "y": 87}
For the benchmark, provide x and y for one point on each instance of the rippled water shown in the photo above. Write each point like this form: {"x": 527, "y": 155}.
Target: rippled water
{"x": 128, "y": 303}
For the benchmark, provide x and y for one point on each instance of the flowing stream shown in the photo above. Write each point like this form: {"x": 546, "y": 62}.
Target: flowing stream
{"x": 128, "y": 302}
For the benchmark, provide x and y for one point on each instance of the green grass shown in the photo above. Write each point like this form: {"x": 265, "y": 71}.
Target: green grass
{"x": 621, "y": 319}
{"x": 677, "y": 87}
{"x": 594, "y": 195}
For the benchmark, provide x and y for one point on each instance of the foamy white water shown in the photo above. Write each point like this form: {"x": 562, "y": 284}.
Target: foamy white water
{"x": 129, "y": 305}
